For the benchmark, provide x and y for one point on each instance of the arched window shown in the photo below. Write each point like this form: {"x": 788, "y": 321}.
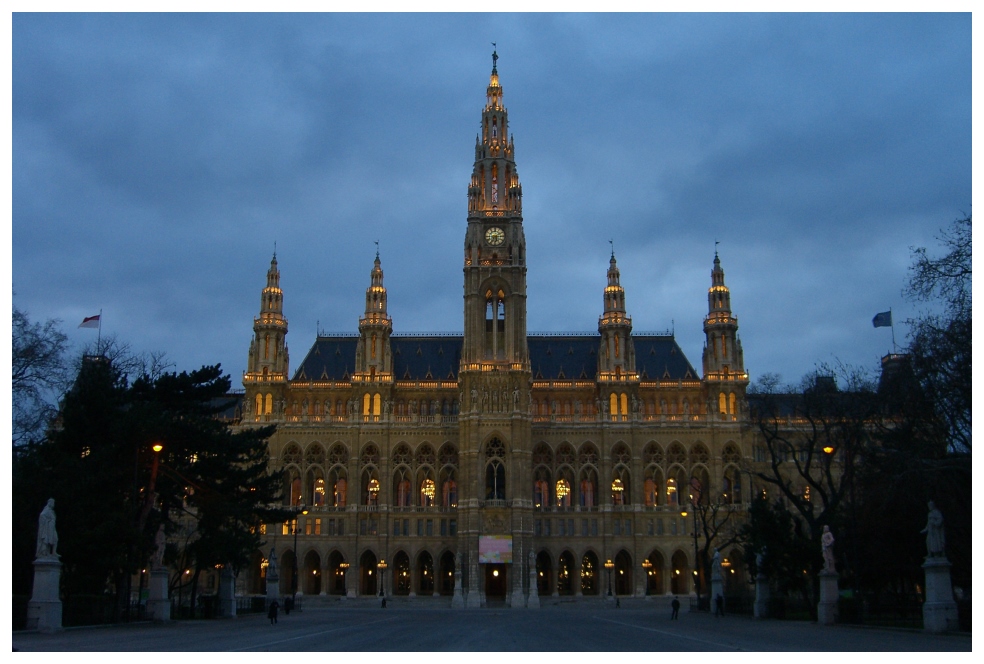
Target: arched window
{"x": 722, "y": 403}
{"x": 428, "y": 492}
{"x": 495, "y": 470}
{"x": 376, "y": 404}
{"x": 268, "y": 407}
{"x": 589, "y": 482}
{"x": 366, "y": 403}
{"x": 613, "y": 405}
{"x": 401, "y": 486}
{"x": 541, "y": 487}
{"x": 732, "y": 403}
{"x": 563, "y": 490}
{"x": 625, "y": 404}
{"x": 620, "y": 486}
{"x": 319, "y": 492}
{"x": 259, "y": 405}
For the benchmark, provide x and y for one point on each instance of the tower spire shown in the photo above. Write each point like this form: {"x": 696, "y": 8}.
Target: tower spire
{"x": 373, "y": 359}
{"x": 724, "y": 364}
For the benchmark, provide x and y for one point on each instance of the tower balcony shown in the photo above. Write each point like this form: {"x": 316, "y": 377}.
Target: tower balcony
{"x": 613, "y": 319}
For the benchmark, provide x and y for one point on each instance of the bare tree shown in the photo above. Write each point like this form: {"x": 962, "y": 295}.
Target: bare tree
{"x": 39, "y": 375}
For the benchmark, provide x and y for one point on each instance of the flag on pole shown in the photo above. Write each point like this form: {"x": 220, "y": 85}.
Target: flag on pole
{"x": 91, "y": 321}
{"x": 884, "y": 319}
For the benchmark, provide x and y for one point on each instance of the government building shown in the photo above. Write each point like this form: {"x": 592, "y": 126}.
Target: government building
{"x": 496, "y": 466}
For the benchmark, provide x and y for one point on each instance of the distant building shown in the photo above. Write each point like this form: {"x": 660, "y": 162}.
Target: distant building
{"x": 495, "y": 444}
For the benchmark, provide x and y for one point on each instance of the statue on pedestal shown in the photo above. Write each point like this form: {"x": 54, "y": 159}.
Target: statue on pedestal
{"x": 827, "y": 542}
{"x": 935, "y": 539}
{"x": 272, "y": 564}
{"x": 716, "y": 564}
{"x": 47, "y": 535}
{"x": 160, "y": 541}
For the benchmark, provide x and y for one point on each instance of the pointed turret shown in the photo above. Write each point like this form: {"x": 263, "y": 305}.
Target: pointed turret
{"x": 269, "y": 359}
{"x": 373, "y": 359}
{"x": 616, "y": 354}
{"x": 724, "y": 365}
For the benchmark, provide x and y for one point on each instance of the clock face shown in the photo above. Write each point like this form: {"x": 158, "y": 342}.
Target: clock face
{"x": 495, "y": 236}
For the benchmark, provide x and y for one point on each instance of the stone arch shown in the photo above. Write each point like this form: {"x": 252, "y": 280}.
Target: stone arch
{"x": 655, "y": 573}
{"x": 622, "y": 573}
{"x": 424, "y": 571}
{"x": 446, "y": 575}
{"x": 310, "y": 574}
{"x": 590, "y": 583}
{"x": 568, "y": 574}
{"x": 368, "y": 573}
{"x": 544, "y": 574}
{"x": 680, "y": 573}
{"x": 402, "y": 578}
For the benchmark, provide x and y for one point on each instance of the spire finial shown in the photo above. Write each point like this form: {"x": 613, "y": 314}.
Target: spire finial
{"x": 274, "y": 250}
{"x": 612, "y": 242}
{"x": 495, "y": 56}
{"x": 716, "y": 243}
{"x": 377, "y": 249}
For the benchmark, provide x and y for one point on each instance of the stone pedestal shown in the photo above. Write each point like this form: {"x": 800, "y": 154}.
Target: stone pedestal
{"x": 761, "y": 607}
{"x": 349, "y": 588}
{"x": 272, "y": 587}
{"x": 717, "y": 588}
{"x": 827, "y": 606}
{"x": 458, "y": 599}
{"x": 533, "y": 601}
{"x": 44, "y": 611}
{"x": 227, "y": 593}
{"x": 158, "y": 604}
{"x": 939, "y": 610}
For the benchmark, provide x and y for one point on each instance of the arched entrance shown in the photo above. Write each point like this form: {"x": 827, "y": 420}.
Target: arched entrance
{"x": 335, "y": 575}
{"x": 566, "y": 573}
{"x": 623, "y": 573}
{"x": 311, "y": 574}
{"x": 425, "y": 574}
{"x": 544, "y": 573}
{"x": 401, "y": 574}
{"x": 447, "y": 573}
{"x": 679, "y": 582}
{"x": 495, "y": 581}
{"x": 367, "y": 574}
{"x": 589, "y": 574}
{"x": 654, "y": 574}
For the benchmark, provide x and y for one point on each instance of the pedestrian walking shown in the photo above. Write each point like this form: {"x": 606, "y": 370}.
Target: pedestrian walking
{"x": 272, "y": 613}
{"x": 676, "y": 609}
{"x": 718, "y": 605}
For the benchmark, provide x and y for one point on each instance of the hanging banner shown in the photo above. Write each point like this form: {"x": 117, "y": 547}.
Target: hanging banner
{"x": 495, "y": 549}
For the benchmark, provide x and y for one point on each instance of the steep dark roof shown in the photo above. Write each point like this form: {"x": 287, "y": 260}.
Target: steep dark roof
{"x": 436, "y": 357}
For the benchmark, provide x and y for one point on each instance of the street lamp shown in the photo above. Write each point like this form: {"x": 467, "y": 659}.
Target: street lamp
{"x": 300, "y": 509}
{"x": 344, "y": 567}
{"x": 609, "y": 565}
{"x": 381, "y": 566}
{"x": 647, "y": 566}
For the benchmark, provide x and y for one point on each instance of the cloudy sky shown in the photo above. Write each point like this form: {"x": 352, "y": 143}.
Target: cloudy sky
{"x": 158, "y": 158}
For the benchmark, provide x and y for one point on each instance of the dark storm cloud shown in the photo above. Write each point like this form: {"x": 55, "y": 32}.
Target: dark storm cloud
{"x": 157, "y": 158}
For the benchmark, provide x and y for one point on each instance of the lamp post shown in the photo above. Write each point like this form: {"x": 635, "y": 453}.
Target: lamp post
{"x": 344, "y": 567}
{"x": 381, "y": 566}
{"x": 300, "y": 509}
{"x": 609, "y": 565}
{"x": 647, "y": 567}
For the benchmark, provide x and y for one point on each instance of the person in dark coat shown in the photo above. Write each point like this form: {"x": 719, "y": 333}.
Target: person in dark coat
{"x": 676, "y": 609}
{"x": 272, "y": 613}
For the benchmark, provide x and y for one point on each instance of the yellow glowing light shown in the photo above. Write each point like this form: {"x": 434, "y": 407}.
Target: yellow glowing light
{"x": 157, "y": 447}
{"x": 495, "y": 572}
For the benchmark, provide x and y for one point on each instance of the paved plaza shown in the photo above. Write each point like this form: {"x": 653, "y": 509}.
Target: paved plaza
{"x": 595, "y": 626}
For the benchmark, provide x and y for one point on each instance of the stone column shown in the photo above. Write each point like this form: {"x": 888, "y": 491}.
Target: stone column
{"x": 473, "y": 600}
{"x": 44, "y": 611}
{"x": 761, "y": 608}
{"x": 939, "y": 610}
{"x": 827, "y": 607}
{"x": 227, "y": 593}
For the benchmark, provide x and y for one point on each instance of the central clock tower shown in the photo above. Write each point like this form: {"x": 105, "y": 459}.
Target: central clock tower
{"x": 494, "y": 420}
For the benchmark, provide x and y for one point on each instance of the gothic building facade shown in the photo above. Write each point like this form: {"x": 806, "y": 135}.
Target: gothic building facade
{"x": 510, "y": 465}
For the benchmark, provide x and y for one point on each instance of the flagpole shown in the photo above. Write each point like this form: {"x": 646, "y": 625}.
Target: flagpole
{"x": 895, "y": 348}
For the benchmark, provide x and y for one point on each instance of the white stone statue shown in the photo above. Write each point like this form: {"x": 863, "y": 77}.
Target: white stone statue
{"x": 716, "y": 564}
{"x": 827, "y": 542}
{"x": 272, "y": 563}
{"x": 47, "y": 535}
{"x": 160, "y": 541}
{"x": 935, "y": 539}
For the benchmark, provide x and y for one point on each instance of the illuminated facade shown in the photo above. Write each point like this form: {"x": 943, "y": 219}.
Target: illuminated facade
{"x": 513, "y": 453}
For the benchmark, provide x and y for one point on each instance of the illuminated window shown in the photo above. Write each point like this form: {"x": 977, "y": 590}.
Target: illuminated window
{"x": 613, "y": 404}
{"x": 625, "y": 404}
{"x": 563, "y": 493}
{"x": 269, "y": 404}
{"x": 732, "y": 403}
{"x": 366, "y": 403}
{"x": 376, "y": 404}
{"x": 722, "y": 403}
{"x": 427, "y": 492}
